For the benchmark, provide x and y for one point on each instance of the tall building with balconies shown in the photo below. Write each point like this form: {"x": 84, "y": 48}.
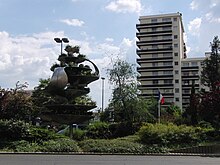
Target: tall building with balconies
{"x": 162, "y": 59}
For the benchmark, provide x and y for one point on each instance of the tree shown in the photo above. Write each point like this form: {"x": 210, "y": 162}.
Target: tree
{"x": 211, "y": 70}
{"x": 128, "y": 106}
{"x": 209, "y": 101}
{"x": 16, "y": 103}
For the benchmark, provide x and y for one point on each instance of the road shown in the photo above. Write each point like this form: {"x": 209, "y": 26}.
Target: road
{"x": 40, "y": 159}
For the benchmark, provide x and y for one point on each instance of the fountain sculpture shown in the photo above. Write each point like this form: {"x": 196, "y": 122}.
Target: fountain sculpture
{"x": 69, "y": 81}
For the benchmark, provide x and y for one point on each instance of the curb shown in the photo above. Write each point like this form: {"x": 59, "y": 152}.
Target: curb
{"x": 119, "y": 154}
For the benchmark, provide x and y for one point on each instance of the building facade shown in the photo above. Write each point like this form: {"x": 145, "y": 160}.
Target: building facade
{"x": 162, "y": 59}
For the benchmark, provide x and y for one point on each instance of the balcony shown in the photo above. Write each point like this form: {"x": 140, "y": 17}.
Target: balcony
{"x": 150, "y": 60}
{"x": 155, "y": 24}
{"x": 159, "y": 77}
{"x": 154, "y": 68}
{"x": 139, "y": 51}
{"x": 153, "y": 41}
{"x": 153, "y": 33}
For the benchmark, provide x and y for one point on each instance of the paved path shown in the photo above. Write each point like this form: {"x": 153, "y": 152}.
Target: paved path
{"x": 40, "y": 159}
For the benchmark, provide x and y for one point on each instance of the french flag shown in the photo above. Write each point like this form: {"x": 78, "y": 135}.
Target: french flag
{"x": 160, "y": 98}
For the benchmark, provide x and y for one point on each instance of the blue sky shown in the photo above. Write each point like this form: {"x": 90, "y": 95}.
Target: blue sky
{"x": 104, "y": 29}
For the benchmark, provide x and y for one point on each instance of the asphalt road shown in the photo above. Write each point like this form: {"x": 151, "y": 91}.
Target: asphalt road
{"x": 40, "y": 159}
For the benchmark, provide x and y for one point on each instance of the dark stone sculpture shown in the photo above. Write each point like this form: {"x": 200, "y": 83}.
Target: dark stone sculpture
{"x": 69, "y": 80}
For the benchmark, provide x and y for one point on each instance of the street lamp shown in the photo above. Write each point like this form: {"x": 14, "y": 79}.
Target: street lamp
{"x": 61, "y": 40}
{"x": 103, "y": 79}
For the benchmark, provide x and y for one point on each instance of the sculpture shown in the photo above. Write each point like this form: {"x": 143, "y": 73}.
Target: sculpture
{"x": 69, "y": 81}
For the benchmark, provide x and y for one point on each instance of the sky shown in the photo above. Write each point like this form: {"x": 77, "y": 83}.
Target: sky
{"x": 104, "y": 29}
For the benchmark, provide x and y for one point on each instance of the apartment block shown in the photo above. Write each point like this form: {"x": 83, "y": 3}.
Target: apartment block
{"x": 162, "y": 60}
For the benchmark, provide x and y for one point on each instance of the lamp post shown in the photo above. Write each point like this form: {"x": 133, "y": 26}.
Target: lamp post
{"x": 103, "y": 79}
{"x": 61, "y": 40}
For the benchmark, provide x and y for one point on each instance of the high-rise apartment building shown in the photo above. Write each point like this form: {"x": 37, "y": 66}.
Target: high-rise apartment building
{"x": 162, "y": 59}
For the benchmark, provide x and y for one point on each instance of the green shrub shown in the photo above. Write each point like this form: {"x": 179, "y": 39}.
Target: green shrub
{"x": 170, "y": 134}
{"x": 24, "y": 146}
{"x": 79, "y": 134}
{"x": 111, "y": 146}
{"x": 13, "y": 130}
{"x": 98, "y": 130}
{"x": 37, "y": 134}
{"x": 60, "y": 145}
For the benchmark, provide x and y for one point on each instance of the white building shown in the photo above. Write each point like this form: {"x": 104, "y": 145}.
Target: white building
{"x": 162, "y": 59}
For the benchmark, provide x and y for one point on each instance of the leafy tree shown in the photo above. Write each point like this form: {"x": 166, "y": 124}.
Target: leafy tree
{"x": 209, "y": 104}
{"x": 211, "y": 70}
{"x": 127, "y": 105}
{"x": 16, "y": 103}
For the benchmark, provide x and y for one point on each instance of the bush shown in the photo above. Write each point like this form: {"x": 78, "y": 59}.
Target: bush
{"x": 37, "y": 134}
{"x": 111, "y": 146}
{"x": 98, "y": 130}
{"x": 23, "y": 146}
{"x": 60, "y": 145}
{"x": 123, "y": 129}
{"x": 79, "y": 134}
{"x": 170, "y": 134}
{"x": 13, "y": 130}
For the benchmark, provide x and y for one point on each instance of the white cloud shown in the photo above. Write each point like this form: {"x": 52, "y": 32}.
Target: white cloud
{"x": 210, "y": 18}
{"x": 109, "y": 39}
{"x": 194, "y": 5}
{"x": 125, "y": 6}
{"x": 73, "y": 22}
{"x": 194, "y": 26}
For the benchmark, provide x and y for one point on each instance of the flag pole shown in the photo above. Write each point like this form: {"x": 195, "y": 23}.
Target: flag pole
{"x": 159, "y": 111}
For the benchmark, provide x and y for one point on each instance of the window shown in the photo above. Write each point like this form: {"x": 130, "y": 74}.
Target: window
{"x": 167, "y": 63}
{"x": 167, "y": 37}
{"x": 155, "y": 91}
{"x": 177, "y": 81}
{"x": 154, "y": 37}
{"x": 185, "y": 64}
{"x": 177, "y": 99}
{"x": 153, "y": 20}
{"x": 175, "y": 36}
{"x": 186, "y": 82}
{"x": 155, "y": 46}
{"x": 167, "y": 54}
{"x": 174, "y": 19}
{"x": 177, "y": 90}
{"x": 176, "y": 63}
{"x": 166, "y": 28}
{"x": 167, "y": 81}
{"x": 167, "y": 46}
{"x": 154, "y": 29}
{"x": 194, "y": 73}
{"x": 176, "y": 72}
{"x": 176, "y": 54}
{"x": 167, "y": 72}
{"x": 174, "y": 27}
{"x": 194, "y": 63}
{"x": 185, "y": 73}
{"x": 155, "y": 73}
{"x": 155, "y": 82}
{"x": 186, "y": 91}
{"x": 166, "y": 19}
{"x": 154, "y": 64}
{"x": 154, "y": 55}
{"x": 175, "y": 45}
